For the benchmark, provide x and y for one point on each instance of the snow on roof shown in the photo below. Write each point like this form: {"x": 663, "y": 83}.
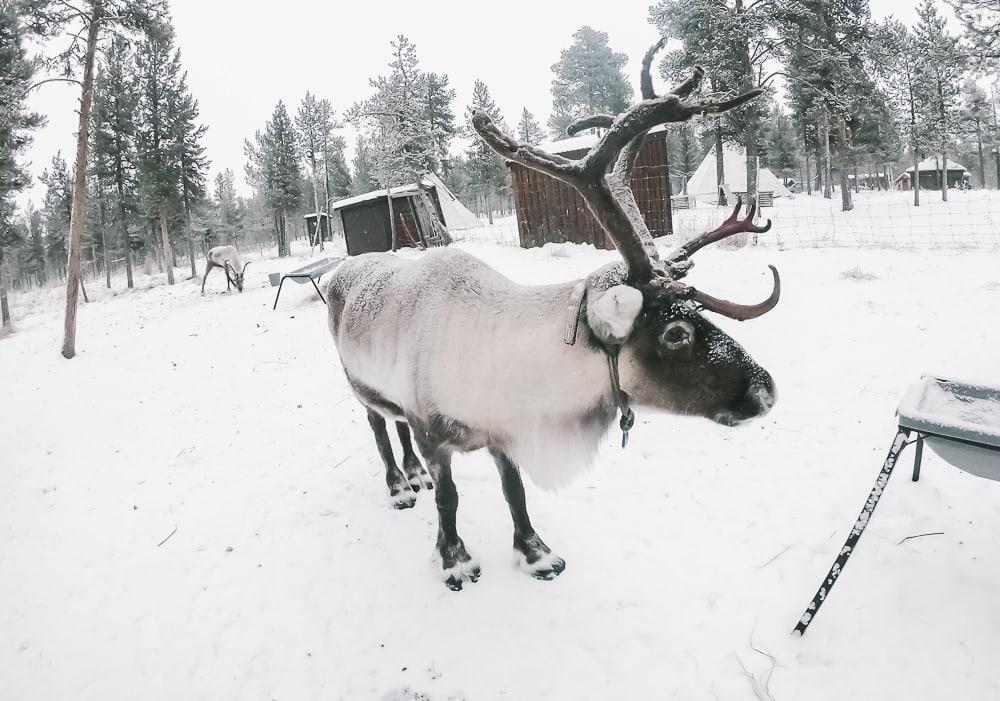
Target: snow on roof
{"x": 580, "y": 142}
{"x": 934, "y": 163}
{"x": 400, "y": 191}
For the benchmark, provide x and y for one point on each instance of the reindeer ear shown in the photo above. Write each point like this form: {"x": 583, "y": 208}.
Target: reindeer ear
{"x": 612, "y": 315}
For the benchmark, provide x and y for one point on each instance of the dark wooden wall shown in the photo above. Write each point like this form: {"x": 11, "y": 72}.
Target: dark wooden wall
{"x": 366, "y": 224}
{"x": 550, "y": 211}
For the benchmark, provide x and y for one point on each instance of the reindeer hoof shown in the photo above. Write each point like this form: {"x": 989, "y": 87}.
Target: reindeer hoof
{"x": 405, "y": 499}
{"x": 548, "y": 566}
{"x": 457, "y": 566}
{"x": 534, "y": 557}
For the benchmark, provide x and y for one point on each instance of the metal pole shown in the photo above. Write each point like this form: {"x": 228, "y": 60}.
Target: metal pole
{"x": 898, "y": 443}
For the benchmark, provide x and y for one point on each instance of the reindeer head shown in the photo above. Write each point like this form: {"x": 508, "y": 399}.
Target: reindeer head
{"x": 639, "y": 310}
{"x": 236, "y": 277}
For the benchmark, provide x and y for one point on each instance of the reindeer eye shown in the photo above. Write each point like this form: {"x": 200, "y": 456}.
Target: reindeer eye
{"x": 677, "y": 335}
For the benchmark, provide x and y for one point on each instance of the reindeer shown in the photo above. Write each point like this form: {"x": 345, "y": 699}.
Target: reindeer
{"x": 536, "y": 374}
{"x": 227, "y": 258}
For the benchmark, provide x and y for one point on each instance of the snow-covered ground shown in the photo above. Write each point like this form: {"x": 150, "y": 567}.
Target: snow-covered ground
{"x": 690, "y": 555}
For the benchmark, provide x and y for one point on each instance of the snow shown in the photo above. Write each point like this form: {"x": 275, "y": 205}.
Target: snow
{"x": 690, "y": 555}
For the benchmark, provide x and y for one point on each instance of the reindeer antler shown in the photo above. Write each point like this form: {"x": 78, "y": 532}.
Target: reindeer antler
{"x": 608, "y": 194}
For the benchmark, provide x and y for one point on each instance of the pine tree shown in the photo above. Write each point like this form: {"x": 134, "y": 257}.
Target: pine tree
{"x": 735, "y": 43}
{"x": 315, "y": 128}
{"x": 273, "y": 169}
{"x": 229, "y": 216}
{"x": 975, "y": 119}
{"x": 829, "y": 68}
{"x": 588, "y": 79}
{"x": 159, "y": 73}
{"x": 938, "y": 81}
{"x": 113, "y": 154}
{"x": 57, "y": 210}
{"x": 685, "y": 154}
{"x": 192, "y": 165}
{"x": 980, "y": 19}
{"x": 440, "y": 119}
{"x": 395, "y": 125}
{"x": 528, "y": 129}
{"x": 487, "y": 170}
{"x": 363, "y": 181}
{"x": 16, "y": 124}
{"x": 94, "y": 19}
{"x": 898, "y": 61}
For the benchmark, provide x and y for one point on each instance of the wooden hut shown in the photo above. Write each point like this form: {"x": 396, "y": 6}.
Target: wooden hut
{"x": 550, "y": 211}
{"x": 420, "y": 220}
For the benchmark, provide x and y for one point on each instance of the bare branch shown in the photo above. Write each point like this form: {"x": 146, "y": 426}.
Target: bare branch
{"x": 690, "y": 84}
{"x": 645, "y": 79}
{"x": 51, "y": 80}
{"x": 600, "y": 121}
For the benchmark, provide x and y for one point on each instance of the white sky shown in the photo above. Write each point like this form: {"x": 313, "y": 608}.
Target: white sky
{"x": 241, "y": 61}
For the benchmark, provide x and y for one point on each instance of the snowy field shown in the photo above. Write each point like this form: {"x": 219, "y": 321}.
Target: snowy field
{"x": 194, "y": 508}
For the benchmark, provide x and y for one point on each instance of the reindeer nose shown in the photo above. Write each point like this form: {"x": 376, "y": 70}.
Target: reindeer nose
{"x": 761, "y": 395}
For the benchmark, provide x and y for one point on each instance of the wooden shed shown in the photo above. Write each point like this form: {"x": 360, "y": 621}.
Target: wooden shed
{"x": 364, "y": 219}
{"x": 550, "y": 211}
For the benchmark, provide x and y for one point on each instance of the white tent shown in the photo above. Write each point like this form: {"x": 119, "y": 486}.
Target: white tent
{"x": 702, "y": 185}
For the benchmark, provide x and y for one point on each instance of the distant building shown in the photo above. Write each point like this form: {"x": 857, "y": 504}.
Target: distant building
{"x": 930, "y": 174}
{"x": 424, "y": 215}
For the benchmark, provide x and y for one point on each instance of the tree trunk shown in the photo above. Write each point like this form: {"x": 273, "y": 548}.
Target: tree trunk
{"x": 846, "y": 204}
{"x": 982, "y": 161}
{"x": 916, "y": 178}
{"x": 392, "y": 221}
{"x": 168, "y": 253}
{"x": 944, "y": 176}
{"x": 750, "y": 145}
{"x": 827, "y": 166}
{"x": 805, "y": 151}
{"x": 4, "y": 307}
{"x": 720, "y": 168}
{"x": 78, "y": 215}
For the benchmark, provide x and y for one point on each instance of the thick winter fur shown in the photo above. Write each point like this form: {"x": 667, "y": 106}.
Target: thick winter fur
{"x": 470, "y": 359}
{"x": 448, "y": 339}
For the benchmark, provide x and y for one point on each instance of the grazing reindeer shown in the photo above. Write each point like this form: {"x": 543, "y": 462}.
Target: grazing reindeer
{"x": 536, "y": 374}
{"x": 227, "y": 258}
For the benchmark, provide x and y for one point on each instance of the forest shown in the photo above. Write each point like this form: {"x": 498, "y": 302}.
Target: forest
{"x": 850, "y": 102}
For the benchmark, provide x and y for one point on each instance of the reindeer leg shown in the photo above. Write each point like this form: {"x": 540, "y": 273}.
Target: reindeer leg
{"x": 533, "y": 555}
{"x": 457, "y": 565}
{"x": 208, "y": 269}
{"x": 416, "y": 475}
{"x": 400, "y": 494}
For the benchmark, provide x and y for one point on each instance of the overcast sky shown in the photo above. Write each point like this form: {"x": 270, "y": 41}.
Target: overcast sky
{"x": 241, "y": 61}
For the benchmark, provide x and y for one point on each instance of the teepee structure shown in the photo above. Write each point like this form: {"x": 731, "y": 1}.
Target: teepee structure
{"x": 703, "y": 184}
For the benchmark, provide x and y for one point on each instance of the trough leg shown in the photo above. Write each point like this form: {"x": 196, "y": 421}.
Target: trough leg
{"x": 823, "y": 593}
{"x": 918, "y": 456}
{"x": 416, "y": 475}
{"x": 317, "y": 290}
{"x": 400, "y": 494}
{"x": 533, "y": 555}
{"x": 278, "y": 296}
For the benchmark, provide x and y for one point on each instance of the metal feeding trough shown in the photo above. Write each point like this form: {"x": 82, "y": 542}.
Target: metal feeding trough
{"x": 959, "y": 421}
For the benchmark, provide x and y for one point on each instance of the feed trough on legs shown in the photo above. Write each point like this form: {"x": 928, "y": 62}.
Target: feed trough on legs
{"x": 959, "y": 421}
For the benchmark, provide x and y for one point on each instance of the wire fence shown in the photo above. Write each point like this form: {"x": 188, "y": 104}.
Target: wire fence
{"x": 969, "y": 219}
